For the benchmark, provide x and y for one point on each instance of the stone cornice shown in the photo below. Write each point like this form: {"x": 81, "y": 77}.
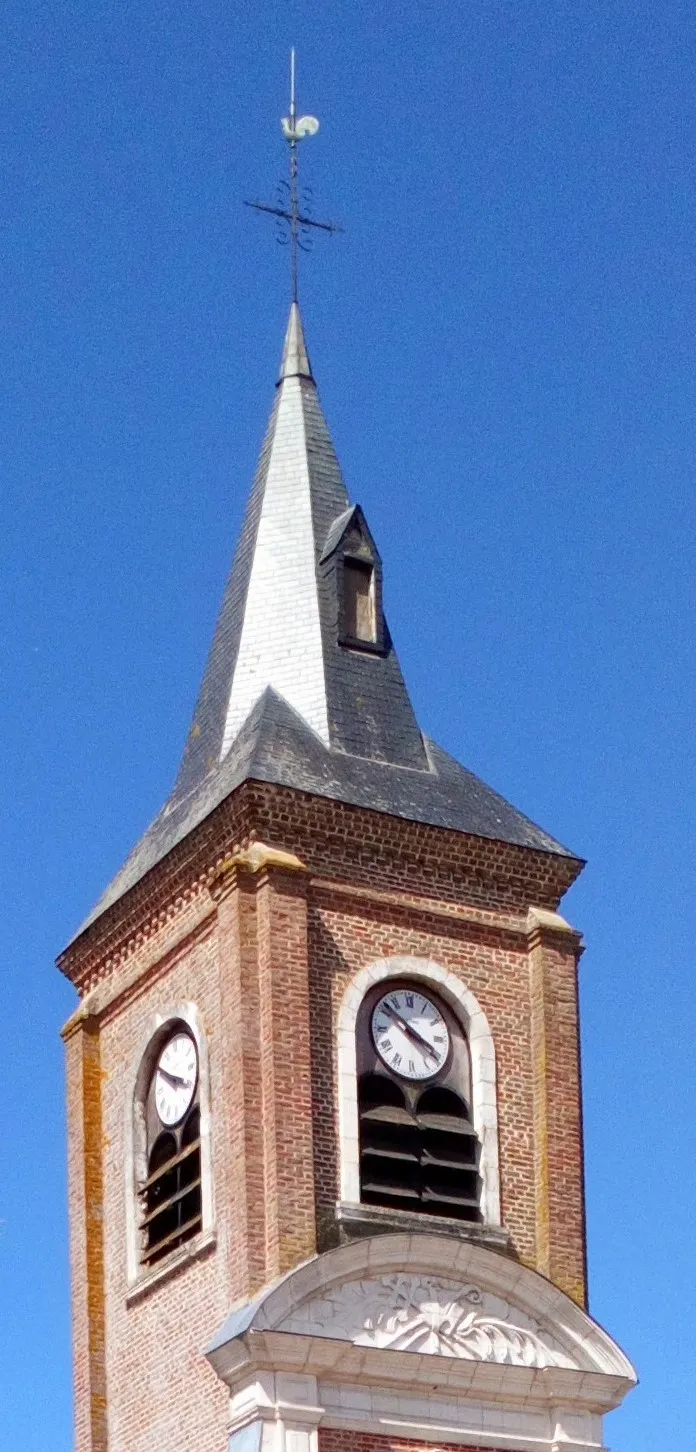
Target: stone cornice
{"x": 414, "y": 1310}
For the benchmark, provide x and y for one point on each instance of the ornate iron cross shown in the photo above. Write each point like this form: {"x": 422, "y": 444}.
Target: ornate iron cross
{"x": 292, "y": 209}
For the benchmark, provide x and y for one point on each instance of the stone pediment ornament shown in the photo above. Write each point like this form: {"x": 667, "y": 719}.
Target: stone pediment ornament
{"x": 429, "y": 1315}
{"x": 387, "y": 1306}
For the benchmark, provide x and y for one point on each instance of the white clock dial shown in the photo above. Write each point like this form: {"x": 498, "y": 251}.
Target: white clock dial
{"x": 410, "y": 1034}
{"x": 175, "y": 1078}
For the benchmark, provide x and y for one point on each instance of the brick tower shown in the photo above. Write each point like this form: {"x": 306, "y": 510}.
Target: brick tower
{"x": 325, "y": 1148}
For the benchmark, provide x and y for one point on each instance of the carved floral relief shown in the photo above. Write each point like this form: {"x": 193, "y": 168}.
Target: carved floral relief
{"x": 435, "y": 1317}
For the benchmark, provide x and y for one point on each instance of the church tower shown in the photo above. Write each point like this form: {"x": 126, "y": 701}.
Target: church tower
{"x": 325, "y": 1138}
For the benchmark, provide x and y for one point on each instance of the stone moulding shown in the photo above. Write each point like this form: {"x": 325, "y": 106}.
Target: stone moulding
{"x": 384, "y": 1310}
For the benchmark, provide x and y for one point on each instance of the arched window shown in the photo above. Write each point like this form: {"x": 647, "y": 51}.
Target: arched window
{"x": 170, "y": 1197}
{"x": 418, "y": 1146}
{"x": 168, "y": 1163}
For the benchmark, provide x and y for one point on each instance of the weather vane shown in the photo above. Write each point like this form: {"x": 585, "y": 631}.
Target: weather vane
{"x": 292, "y": 210}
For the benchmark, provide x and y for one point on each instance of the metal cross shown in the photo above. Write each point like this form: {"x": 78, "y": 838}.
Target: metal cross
{"x": 295, "y": 223}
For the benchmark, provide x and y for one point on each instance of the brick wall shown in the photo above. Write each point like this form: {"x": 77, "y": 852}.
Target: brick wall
{"x": 265, "y": 952}
{"x": 342, "y": 942}
{"x": 332, "y": 1441}
{"x": 161, "y": 1391}
{"x": 86, "y": 1211}
{"x": 335, "y": 841}
{"x": 538, "y": 1087}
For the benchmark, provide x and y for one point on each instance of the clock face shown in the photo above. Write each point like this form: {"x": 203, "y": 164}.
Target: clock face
{"x": 410, "y": 1034}
{"x": 175, "y": 1078}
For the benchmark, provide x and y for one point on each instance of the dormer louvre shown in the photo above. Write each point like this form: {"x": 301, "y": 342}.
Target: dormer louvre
{"x": 359, "y": 615}
{"x": 351, "y": 562}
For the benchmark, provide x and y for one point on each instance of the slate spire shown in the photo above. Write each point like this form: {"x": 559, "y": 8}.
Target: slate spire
{"x": 303, "y": 687}
{"x": 279, "y": 626}
{"x": 295, "y": 360}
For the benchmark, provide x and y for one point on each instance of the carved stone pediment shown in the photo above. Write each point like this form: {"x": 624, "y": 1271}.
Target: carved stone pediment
{"x": 429, "y": 1315}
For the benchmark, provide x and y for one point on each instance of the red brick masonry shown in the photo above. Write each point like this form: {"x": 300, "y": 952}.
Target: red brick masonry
{"x": 265, "y": 950}
{"x": 330, "y": 1441}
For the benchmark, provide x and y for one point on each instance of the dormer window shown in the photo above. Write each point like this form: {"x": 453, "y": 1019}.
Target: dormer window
{"x": 359, "y": 601}
{"x": 350, "y": 561}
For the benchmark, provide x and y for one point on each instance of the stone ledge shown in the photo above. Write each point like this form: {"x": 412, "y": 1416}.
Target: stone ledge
{"x": 540, "y": 920}
{"x": 361, "y": 1220}
{"x": 176, "y": 1262}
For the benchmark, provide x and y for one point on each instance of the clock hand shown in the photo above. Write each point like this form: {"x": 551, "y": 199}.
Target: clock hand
{"x": 410, "y": 1032}
{"x": 174, "y": 1079}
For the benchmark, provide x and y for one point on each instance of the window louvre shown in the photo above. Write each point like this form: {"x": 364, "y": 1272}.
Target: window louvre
{"x": 414, "y": 1159}
{"x": 170, "y": 1197}
{"x": 418, "y": 1147}
{"x": 358, "y": 600}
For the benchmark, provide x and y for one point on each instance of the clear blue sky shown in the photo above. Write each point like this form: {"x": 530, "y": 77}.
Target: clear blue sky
{"x": 504, "y": 342}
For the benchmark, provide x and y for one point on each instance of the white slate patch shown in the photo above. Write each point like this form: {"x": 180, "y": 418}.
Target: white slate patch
{"x": 280, "y": 644}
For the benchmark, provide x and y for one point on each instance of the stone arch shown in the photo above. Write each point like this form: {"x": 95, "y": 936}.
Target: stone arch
{"x": 158, "y": 1028}
{"x": 483, "y": 1072}
{"x": 334, "y": 1297}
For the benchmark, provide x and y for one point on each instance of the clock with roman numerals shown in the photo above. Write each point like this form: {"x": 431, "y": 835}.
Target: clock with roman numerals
{"x": 410, "y": 1034}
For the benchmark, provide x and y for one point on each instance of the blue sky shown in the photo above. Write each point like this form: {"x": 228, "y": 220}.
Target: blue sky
{"x": 504, "y": 343}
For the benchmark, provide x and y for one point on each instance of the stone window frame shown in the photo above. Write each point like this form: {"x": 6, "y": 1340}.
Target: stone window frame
{"x": 484, "y": 1104}
{"x": 158, "y": 1028}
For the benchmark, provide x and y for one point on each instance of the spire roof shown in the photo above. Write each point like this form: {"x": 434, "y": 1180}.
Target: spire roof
{"x": 294, "y": 691}
{"x": 295, "y": 360}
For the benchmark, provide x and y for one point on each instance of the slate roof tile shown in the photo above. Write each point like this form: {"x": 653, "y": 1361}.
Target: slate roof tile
{"x": 375, "y": 755}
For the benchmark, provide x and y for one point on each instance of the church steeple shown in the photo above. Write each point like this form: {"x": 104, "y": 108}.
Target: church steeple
{"x": 282, "y": 625}
{"x": 269, "y": 632}
{"x": 323, "y": 1085}
{"x": 303, "y": 686}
